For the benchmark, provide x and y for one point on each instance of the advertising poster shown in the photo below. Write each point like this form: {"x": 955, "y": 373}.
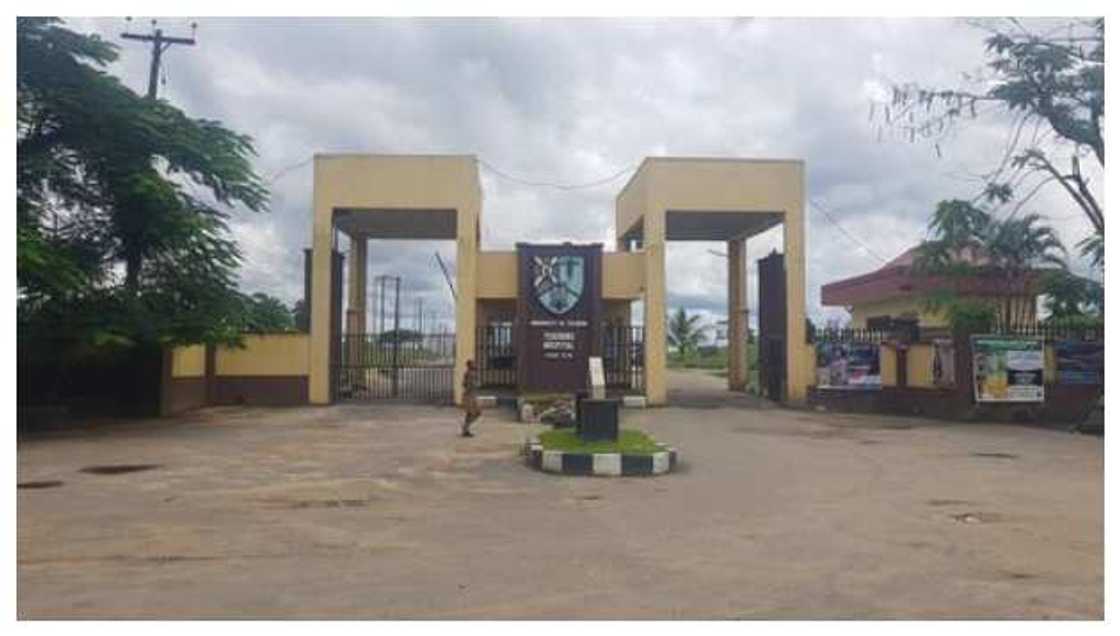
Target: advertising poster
{"x": 1080, "y": 362}
{"x": 863, "y": 365}
{"x": 848, "y": 365}
{"x": 1007, "y": 369}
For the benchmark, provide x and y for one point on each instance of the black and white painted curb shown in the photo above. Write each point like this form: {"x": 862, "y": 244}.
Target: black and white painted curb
{"x": 600, "y": 464}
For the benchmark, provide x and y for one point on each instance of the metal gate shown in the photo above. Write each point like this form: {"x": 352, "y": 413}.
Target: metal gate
{"x": 402, "y": 365}
{"x": 622, "y": 348}
{"x": 772, "y": 326}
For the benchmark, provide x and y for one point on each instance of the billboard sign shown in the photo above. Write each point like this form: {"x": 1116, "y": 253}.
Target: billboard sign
{"x": 848, "y": 365}
{"x": 1007, "y": 369}
{"x": 1080, "y": 362}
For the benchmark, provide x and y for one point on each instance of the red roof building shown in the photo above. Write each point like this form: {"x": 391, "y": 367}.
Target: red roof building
{"x": 895, "y": 290}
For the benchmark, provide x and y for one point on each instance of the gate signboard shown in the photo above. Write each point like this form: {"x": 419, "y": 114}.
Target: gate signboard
{"x": 1007, "y": 369}
{"x": 1080, "y": 362}
{"x": 559, "y": 307}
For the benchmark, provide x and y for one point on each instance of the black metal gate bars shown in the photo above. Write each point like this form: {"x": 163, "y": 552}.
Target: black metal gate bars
{"x": 622, "y": 348}
{"x": 404, "y": 365}
{"x": 421, "y": 367}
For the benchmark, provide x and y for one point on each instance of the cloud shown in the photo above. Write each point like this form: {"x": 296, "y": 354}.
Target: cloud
{"x": 570, "y": 101}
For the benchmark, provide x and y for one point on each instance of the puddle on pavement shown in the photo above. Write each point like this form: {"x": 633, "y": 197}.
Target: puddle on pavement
{"x": 948, "y": 502}
{"x": 118, "y": 469}
{"x": 996, "y": 455}
{"x": 38, "y": 485}
{"x": 308, "y": 504}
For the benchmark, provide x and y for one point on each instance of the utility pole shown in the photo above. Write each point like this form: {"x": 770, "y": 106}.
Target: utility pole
{"x": 381, "y": 306}
{"x": 160, "y": 43}
{"x": 396, "y": 334}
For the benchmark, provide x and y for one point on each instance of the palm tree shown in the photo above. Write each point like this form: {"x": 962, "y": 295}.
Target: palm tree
{"x": 966, "y": 242}
{"x": 685, "y": 332}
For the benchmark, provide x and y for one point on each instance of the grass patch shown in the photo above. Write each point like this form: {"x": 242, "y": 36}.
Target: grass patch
{"x": 709, "y": 358}
{"x": 630, "y": 442}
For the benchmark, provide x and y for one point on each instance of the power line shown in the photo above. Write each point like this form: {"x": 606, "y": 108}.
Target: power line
{"x": 275, "y": 176}
{"x": 284, "y": 171}
{"x": 558, "y": 186}
{"x": 837, "y": 225}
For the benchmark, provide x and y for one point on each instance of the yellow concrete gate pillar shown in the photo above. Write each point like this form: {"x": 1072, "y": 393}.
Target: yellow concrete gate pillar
{"x": 736, "y": 315}
{"x": 655, "y": 339}
{"x": 357, "y": 289}
{"x": 800, "y": 358}
{"x": 717, "y": 199}
{"x": 371, "y": 197}
{"x": 466, "y": 299}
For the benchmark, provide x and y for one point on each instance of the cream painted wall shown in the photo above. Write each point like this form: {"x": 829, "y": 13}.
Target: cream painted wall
{"x": 497, "y": 275}
{"x": 265, "y": 354}
{"x": 919, "y": 365}
{"x": 888, "y": 366}
{"x": 188, "y": 362}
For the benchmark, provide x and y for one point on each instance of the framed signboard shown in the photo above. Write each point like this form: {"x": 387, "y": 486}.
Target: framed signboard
{"x": 1080, "y": 362}
{"x": 848, "y": 365}
{"x": 559, "y": 315}
{"x": 1007, "y": 369}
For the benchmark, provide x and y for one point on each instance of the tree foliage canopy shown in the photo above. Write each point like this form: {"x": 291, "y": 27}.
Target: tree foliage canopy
{"x": 267, "y": 314}
{"x": 122, "y": 203}
{"x": 1052, "y": 83}
{"x": 967, "y": 242}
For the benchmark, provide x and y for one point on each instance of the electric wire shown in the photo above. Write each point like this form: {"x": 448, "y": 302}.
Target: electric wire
{"x": 820, "y": 208}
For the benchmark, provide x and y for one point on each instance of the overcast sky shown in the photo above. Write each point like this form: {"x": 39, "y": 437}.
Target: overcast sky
{"x": 574, "y": 101}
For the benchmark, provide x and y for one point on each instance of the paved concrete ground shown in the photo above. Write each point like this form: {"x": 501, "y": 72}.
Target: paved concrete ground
{"x": 380, "y": 511}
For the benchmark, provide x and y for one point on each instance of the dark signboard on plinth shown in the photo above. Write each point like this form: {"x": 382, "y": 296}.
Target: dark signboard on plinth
{"x": 559, "y": 306}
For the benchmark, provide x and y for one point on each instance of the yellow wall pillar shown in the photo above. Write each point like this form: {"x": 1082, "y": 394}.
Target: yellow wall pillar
{"x": 655, "y": 343}
{"x": 736, "y": 315}
{"x": 466, "y": 264}
{"x": 797, "y": 375}
{"x": 321, "y": 247}
{"x": 356, "y": 286}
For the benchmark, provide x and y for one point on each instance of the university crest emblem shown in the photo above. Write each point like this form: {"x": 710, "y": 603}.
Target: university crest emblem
{"x": 558, "y": 282}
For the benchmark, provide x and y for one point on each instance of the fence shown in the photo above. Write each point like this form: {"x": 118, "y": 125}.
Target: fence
{"x": 409, "y": 366}
{"x": 1053, "y": 331}
{"x": 847, "y": 334}
{"x": 1048, "y": 331}
{"x": 496, "y": 356}
{"x": 622, "y": 347}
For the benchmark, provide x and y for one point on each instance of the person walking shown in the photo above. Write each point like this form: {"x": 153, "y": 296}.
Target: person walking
{"x": 471, "y": 411}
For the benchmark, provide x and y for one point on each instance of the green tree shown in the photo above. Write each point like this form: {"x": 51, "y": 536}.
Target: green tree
{"x": 1070, "y": 298}
{"x": 1052, "y": 84}
{"x": 122, "y": 204}
{"x": 267, "y": 314}
{"x": 685, "y": 332}
{"x": 967, "y": 244}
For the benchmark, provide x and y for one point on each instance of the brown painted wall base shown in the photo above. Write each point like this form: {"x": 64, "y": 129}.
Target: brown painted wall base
{"x": 262, "y": 390}
{"x": 183, "y": 394}
{"x": 1064, "y": 404}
